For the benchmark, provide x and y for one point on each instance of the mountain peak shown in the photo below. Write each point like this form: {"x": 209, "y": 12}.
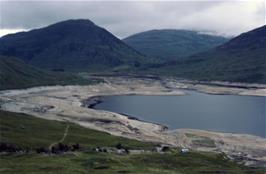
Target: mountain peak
{"x": 172, "y": 44}
{"x": 241, "y": 59}
{"x": 74, "y": 22}
{"x": 253, "y": 39}
{"x": 76, "y": 44}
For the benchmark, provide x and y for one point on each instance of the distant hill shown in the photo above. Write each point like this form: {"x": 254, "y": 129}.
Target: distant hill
{"x": 75, "y": 45}
{"x": 242, "y": 59}
{"x": 14, "y": 73}
{"x": 172, "y": 44}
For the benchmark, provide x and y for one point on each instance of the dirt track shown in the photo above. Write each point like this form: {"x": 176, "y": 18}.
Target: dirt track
{"x": 65, "y": 104}
{"x": 62, "y": 139}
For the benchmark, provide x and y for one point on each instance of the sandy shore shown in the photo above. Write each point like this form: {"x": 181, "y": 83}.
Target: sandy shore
{"x": 66, "y": 103}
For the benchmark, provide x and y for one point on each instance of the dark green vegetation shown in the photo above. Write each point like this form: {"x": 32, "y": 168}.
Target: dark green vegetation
{"x": 106, "y": 163}
{"x": 30, "y": 132}
{"x": 169, "y": 44}
{"x": 80, "y": 45}
{"x": 26, "y": 131}
{"x": 242, "y": 59}
{"x": 76, "y": 45}
{"x": 14, "y": 74}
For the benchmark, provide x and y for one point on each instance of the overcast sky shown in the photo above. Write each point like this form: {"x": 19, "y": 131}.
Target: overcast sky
{"x": 123, "y": 18}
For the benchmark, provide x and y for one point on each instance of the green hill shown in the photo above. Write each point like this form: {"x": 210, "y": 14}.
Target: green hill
{"x": 169, "y": 44}
{"x": 16, "y": 74}
{"x": 242, "y": 59}
{"x": 76, "y": 45}
{"x": 28, "y": 132}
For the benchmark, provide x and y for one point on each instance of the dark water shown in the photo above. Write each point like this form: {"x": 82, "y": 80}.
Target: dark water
{"x": 224, "y": 113}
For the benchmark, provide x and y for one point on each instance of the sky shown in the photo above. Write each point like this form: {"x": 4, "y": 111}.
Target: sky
{"x": 124, "y": 18}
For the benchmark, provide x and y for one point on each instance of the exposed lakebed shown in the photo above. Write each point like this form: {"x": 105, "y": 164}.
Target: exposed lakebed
{"x": 222, "y": 113}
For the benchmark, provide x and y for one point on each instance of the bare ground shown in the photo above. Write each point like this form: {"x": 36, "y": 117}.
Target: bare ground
{"x": 65, "y": 104}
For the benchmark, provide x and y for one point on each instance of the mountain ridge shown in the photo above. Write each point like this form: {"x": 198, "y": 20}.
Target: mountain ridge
{"x": 15, "y": 74}
{"x": 70, "y": 45}
{"x": 241, "y": 59}
{"x": 172, "y": 44}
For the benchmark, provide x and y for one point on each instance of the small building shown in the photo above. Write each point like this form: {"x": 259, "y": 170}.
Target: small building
{"x": 121, "y": 151}
{"x": 184, "y": 150}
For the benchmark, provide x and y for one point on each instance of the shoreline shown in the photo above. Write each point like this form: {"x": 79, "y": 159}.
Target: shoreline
{"x": 171, "y": 83}
{"x": 91, "y": 102}
{"x": 195, "y": 84}
{"x": 65, "y": 103}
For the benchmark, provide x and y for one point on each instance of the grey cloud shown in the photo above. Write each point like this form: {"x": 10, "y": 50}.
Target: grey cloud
{"x": 125, "y": 18}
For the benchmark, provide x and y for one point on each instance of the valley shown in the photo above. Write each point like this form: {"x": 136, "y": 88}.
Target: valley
{"x": 66, "y": 103}
{"x": 132, "y": 87}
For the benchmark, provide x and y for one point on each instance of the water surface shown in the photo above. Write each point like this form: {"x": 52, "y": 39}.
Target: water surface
{"x": 223, "y": 113}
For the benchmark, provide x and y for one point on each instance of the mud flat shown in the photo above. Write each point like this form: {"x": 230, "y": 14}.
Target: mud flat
{"x": 66, "y": 103}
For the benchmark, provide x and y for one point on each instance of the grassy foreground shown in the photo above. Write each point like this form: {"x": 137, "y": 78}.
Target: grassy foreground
{"x": 30, "y": 132}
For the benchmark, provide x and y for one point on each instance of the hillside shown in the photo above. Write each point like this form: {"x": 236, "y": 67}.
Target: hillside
{"x": 242, "y": 59}
{"x": 16, "y": 74}
{"x": 172, "y": 44}
{"x": 30, "y": 133}
{"x": 76, "y": 45}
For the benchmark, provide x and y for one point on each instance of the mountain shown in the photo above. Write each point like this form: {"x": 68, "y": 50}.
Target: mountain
{"x": 76, "y": 45}
{"x": 172, "y": 44}
{"x": 242, "y": 59}
{"x": 14, "y": 73}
